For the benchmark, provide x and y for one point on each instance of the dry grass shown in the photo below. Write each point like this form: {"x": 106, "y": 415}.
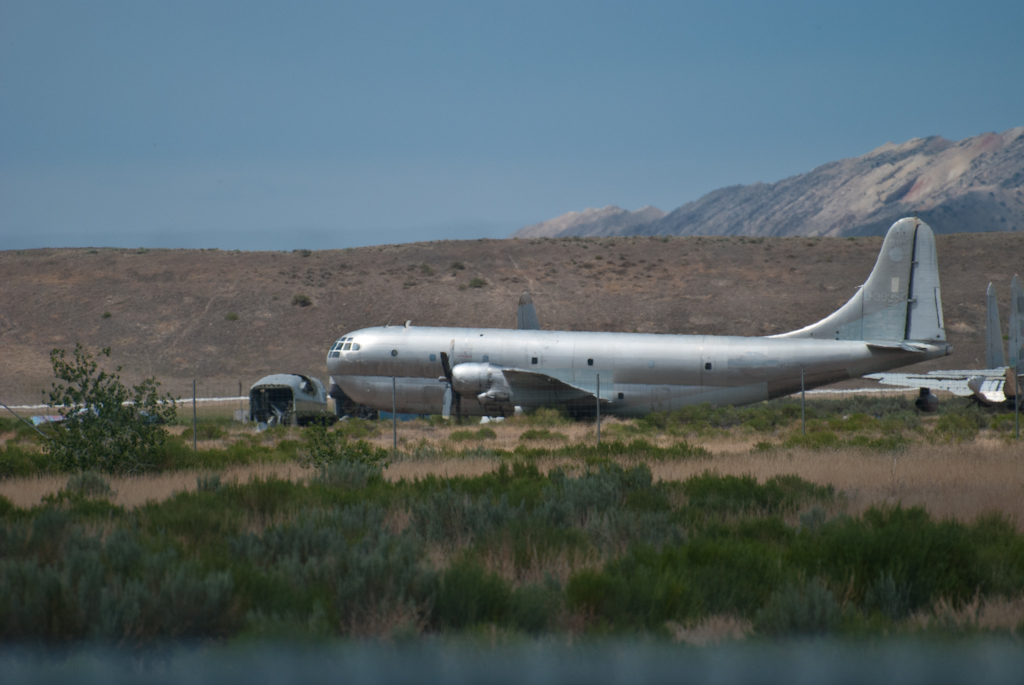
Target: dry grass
{"x": 134, "y": 491}
{"x": 712, "y": 630}
{"x": 559, "y": 564}
{"x": 949, "y": 480}
{"x": 958, "y": 481}
{"x": 993, "y": 614}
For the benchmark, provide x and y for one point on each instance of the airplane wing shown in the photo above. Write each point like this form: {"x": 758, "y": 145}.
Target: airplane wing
{"x": 534, "y": 389}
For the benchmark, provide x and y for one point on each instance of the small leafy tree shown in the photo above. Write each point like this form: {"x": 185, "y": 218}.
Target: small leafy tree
{"x": 106, "y": 426}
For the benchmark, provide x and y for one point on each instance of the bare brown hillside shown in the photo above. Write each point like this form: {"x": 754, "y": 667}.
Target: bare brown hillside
{"x": 168, "y": 309}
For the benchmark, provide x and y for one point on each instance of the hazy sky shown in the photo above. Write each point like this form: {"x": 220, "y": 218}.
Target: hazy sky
{"x": 281, "y": 125}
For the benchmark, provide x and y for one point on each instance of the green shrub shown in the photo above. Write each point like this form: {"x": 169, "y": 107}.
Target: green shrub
{"x": 481, "y": 434}
{"x": 542, "y": 434}
{"x": 210, "y": 483}
{"x": 16, "y": 460}
{"x": 231, "y": 316}
{"x": 354, "y": 475}
{"x": 799, "y": 611}
{"x": 477, "y": 282}
{"x": 730, "y": 495}
{"x": 88, "y": 484}
{"x": 533, "y": 608}
{"x": 301, "y": 300}
{"x": 469, "y": 595}
{"x": 641, "y": 590}
{"x": 204, "y": 431}
{"x": 356, "y": 428}
{"x": 956, "y": 428}
{"x": 929, "y": 559}
{"x": 326, "y": 447}
{"x": 817, "y": 440}
{"x": 887, "y": 597}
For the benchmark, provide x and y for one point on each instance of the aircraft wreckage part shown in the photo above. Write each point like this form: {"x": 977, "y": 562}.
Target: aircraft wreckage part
{"x": 994, "y": 357}
{"x": 288, "y": 399}
{"x": 926, "y": 401}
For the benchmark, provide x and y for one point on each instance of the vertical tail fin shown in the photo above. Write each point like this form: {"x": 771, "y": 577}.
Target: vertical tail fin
{"x": 994, "y": 357}
{"x": 1016, "y": 324}
{"x": 899, "y": 301}
{"x": 527, "y": 315}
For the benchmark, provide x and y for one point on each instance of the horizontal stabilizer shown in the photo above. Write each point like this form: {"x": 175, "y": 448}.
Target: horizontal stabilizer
{"x": 897, "y": 345}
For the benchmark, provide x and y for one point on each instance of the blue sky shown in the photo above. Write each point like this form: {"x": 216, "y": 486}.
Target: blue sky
{"x": 270, "y": 125}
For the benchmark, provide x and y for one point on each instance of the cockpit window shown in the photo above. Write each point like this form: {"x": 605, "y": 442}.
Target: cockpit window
{"x": 345, "y": 344}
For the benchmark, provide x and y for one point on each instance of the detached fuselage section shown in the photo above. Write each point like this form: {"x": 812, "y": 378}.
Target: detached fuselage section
{"x": 288, "y": 399}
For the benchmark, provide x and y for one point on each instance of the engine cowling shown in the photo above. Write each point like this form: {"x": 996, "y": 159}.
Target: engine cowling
{"x": 487, "y": 383}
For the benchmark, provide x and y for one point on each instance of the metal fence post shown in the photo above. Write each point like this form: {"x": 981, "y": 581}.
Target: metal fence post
{"x": 394, "y": 416}
{"x": 194, "y": 431}
{"x": 803, "y": 401}
{"x": 598, "y": 409}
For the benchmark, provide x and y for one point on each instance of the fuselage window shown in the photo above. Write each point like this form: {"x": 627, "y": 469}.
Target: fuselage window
{"x": 622, "y": 395}
{"x": 394, "y": 353}
{"x": 355, "y": 346}
{"x": 335, "y": 354}
{"x": 348, "y": 346}
{"x": 487, "y": 358}
{"x": 707, "y": 366}
{"x": 433, "y": 357}
{"x": 533, "y": 360}
{"x": 590, "y": 362}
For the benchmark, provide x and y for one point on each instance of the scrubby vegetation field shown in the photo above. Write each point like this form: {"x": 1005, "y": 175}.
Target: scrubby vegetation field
{"x": 700, "y": 525}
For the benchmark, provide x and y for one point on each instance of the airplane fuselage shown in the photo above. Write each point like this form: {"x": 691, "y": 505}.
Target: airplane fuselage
{"x": 638, "y": 373}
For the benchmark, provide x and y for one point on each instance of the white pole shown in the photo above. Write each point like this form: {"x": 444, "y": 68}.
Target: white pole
{"x": 394, "y": 415}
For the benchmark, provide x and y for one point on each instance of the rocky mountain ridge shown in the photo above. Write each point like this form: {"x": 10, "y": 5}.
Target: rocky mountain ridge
{"x": 974, "y": 185}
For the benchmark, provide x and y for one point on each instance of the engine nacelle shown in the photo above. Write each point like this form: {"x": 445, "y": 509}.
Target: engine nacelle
{"x": 926, "y": 401}
{"x": 487, "y": 383}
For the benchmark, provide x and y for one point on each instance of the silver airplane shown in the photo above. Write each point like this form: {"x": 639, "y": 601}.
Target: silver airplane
{"x": 995, "y": 385}
{"x": 893, "y": 320}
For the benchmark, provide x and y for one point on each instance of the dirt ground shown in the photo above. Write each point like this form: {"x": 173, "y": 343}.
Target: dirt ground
{"x": 227, "y": 318}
